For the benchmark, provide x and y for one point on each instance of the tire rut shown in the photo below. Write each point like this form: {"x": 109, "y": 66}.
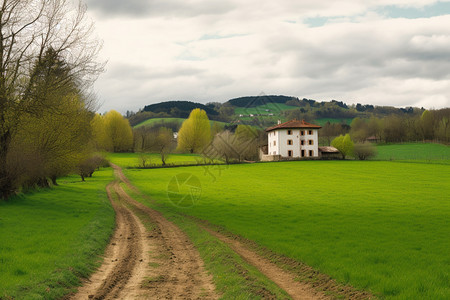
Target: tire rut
{"x": 122, "y": 257}
{"x": 180, "y": 273}
{"x": 148, "y": 257}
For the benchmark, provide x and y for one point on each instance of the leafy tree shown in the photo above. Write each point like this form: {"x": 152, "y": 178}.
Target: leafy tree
{"x": 359, "y": 130}
{"x": 101, "y": 139}
{"x": 331, "y": 130}
{"x": 51, "y": 142}
{"x": 195, "y": 133}
{"x": 394, "y": 129}
{"x": 216, "y": 128}
{"x": 427, "y": 123}
{"x": 119, "y": 131}
{"x": 29, "y": 29}
{"x": 164, "y": 143}
{"x": 225, "y": 145}
{"x": 344, "y": 144}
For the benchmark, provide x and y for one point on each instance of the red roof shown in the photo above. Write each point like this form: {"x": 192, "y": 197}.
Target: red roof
{"x": 293, "y": 124}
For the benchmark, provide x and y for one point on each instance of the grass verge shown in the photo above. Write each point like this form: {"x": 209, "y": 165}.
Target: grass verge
{"x": 52, "y": 238}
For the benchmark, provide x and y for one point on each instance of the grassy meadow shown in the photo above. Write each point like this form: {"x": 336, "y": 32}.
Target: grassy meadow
{"x": 377, "y": 225}
{"x": 133, "y": 160}
{"x": 50, "y": 238}
{"x": 414, "y": 151}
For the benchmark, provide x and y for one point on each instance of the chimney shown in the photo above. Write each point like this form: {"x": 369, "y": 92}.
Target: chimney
{"x": 279, "y": 122}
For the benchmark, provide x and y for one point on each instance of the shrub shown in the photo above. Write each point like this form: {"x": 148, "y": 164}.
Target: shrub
{"x": 364, "y": 151}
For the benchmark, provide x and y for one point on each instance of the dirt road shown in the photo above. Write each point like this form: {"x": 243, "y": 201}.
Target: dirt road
{"x": 148, "y": 258}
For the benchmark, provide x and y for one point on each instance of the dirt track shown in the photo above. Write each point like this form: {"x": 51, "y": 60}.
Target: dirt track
{"x": 149, "y": 257}
{"x": 156, "y": 261}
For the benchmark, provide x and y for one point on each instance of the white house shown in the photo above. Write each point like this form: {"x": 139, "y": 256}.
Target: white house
{"x": 293, "y": 139}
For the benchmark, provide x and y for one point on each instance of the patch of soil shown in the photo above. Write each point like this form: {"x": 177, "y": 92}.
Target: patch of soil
{"x": 157, "y": 262}
{"x": 180, "y": 271}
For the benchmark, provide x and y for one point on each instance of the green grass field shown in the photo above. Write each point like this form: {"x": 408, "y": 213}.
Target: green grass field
{"x": 379, "y": 226}
{"x": 414, "y": 151}
{"x": 132, "y": 160}
{"x": 52, "y": 237}
{"x": 152, "y": 122}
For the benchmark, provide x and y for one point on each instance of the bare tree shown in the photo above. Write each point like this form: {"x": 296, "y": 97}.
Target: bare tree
{"x": 28, "y": 28}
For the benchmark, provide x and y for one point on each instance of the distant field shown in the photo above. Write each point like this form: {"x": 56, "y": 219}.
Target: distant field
{"x": 125, "y": 160}
{"x": 414, "y": 151}
{"x": 379, "y": 226}
{"x": 51, "y": 237}
{"x": 151, "y": 122}
{"x": 273, "y": 108}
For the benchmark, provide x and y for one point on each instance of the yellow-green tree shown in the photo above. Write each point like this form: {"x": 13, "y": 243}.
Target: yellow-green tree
{"x": 195, "y": 132}
{"x": 51, "y": 144}
{"x": 119, "y": 132}
{"x": 344, "y": 144}
{"x": 100, "y": 137}
{"x": 30, "y": 29}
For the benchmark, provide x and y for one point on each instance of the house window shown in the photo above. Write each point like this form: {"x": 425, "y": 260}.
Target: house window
{"x": 290, "y": 153}
{"x": 311, "y": 153}
{"x": 274, "y": 143}
{"x": 302, "y": 132}
{"x": 303, "y": 153}
{"x": 302, "y": 142}
{"x": 289, "y": 142}
{"x": 310, "y": 142}
{"x": 310, "y": 132}
{"x": 289, "y": 132}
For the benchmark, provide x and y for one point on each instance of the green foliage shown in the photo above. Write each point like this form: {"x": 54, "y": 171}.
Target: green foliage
{"x": 344, "y": 144}
{"x": 195, "y": 133}
{"x": 41, "y": 65}
{"x": 179, "y": 109}
{"x": 51, "y": 238}
{"x": 364, "y": 151}
{"x": 118, "y": 131}
{"x": 351, "y": 220}
{"x": 50, "y": 141}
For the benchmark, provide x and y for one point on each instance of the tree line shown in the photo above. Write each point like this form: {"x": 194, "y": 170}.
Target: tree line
{"x": 48, "y": 62}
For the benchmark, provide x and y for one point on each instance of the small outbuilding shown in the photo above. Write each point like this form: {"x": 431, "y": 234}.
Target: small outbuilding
{"x": 329, "y": 152}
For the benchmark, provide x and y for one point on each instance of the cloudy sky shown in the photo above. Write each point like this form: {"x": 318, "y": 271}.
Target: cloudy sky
{"x": 383, "y": 52}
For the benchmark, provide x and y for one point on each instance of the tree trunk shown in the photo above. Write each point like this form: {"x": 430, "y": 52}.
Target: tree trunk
{"x": 163, "y": 159}
{"x": 53, "y": 178}
{"x": 43, "y": 182}
{"x": 6, "y": 179}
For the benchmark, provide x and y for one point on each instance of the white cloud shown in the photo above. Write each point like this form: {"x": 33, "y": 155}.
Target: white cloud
{"x": 214, "y": 53}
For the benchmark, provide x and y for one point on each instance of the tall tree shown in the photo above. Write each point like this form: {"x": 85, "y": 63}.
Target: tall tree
{"x": 28, "y": 28}
{"x": 119, "y": 132}
{"x": 195, "y": 133}
{"x": 164, "y": 143}
{"x": 100, "y": 137}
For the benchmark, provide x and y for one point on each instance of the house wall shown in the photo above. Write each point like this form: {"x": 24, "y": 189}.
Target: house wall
{"x": 281, "y": 147}
{"x": 272, "y": 139}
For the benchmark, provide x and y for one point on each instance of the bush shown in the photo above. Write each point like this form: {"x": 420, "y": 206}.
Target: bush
{"x": 364, "y": 151}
